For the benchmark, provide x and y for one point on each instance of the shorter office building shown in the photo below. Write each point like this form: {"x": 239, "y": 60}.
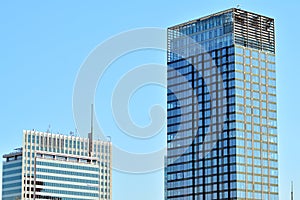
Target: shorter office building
{"x": 60, "y": 167}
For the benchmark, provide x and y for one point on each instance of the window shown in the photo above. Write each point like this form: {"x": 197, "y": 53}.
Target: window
{"x": 239, "y": 50}
{"x": 254, "y": 54}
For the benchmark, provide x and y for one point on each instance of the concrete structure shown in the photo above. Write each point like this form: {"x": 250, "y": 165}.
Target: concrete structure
{"x": 53, "y": 166}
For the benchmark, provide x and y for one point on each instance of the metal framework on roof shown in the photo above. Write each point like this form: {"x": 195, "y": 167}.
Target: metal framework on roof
{"x": 253, "y": 30}
{"x": 249, "y": 29}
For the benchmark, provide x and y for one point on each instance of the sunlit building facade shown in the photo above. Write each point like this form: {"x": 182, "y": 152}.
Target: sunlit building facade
{"x": 54, "y": 166}
{"x": 222, "y": 112}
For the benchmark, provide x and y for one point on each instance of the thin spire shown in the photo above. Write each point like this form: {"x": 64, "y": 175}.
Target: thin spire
{"x": 92, "y": 119}
{"x": 91, "y": 133}
{"x": 292, "y": 191}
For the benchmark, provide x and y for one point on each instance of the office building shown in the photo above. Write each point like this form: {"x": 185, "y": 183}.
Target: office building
{"x": 60, "y": 167}
{"x": 222, "y": 132}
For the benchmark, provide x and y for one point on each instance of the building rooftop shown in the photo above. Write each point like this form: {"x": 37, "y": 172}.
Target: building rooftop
{"x": 16, "y": 152}
{"x": 249, "y": 29}
{"x": 236, "y": 10}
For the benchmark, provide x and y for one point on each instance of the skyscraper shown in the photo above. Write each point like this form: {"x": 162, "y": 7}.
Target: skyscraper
{"x": 54, "y": 166}
{"x": 221, "y": 128}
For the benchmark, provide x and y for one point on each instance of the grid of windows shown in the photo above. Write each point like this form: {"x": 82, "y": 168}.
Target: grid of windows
{"x": 256, "y": 124}
{"x": 53, "y": 162}
{"x": 243, "y": 161}
{"x": 53, "y": 166}
{"x": 12, "y": 176}
{"x": 197, "y": 175}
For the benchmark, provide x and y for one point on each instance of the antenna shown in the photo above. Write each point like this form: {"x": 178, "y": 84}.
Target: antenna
{"x": 90, "y": 135}
{"x": 76, "y": 132}
{"x": 49, "y": 128}
{"x": 238, "y": 6}
{"x": 292, "y": 191}
{"x": 92, "y": 119}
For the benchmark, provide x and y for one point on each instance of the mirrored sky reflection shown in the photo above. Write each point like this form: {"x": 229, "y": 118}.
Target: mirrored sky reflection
{"x": 43, "y": 45}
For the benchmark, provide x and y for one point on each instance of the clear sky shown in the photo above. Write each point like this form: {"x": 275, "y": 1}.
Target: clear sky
{"x": 44, "y": 43}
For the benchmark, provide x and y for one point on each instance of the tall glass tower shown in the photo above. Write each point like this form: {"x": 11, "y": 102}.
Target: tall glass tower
{"x": 222, "y": 132}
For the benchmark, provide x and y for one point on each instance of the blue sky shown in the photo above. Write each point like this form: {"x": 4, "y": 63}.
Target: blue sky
{"x": 44, "y": 43}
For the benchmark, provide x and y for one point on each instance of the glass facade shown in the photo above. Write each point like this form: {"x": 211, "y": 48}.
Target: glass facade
{"x": 12, "y": 176}
{"x": 53, "y": 166}
{"x": 222, "y": 132}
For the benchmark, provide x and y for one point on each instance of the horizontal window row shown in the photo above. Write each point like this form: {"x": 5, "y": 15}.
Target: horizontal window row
{"x": 67, "y": 186}
{"x": 16, "y": 171}
{"x": 68, "y": 192}
{"x": 8, "y": 165}
{"x": 63, "y": 172}
{"x": 13, "y": 178}
{"x": 11, "y": 185}
{"x": 66, "y": 179}
{"x": 9, "y": 192}
{"x": 67, "y": 166}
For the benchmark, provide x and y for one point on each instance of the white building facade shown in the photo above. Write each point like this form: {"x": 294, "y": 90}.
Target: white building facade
{"x": 60, "y": 167}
